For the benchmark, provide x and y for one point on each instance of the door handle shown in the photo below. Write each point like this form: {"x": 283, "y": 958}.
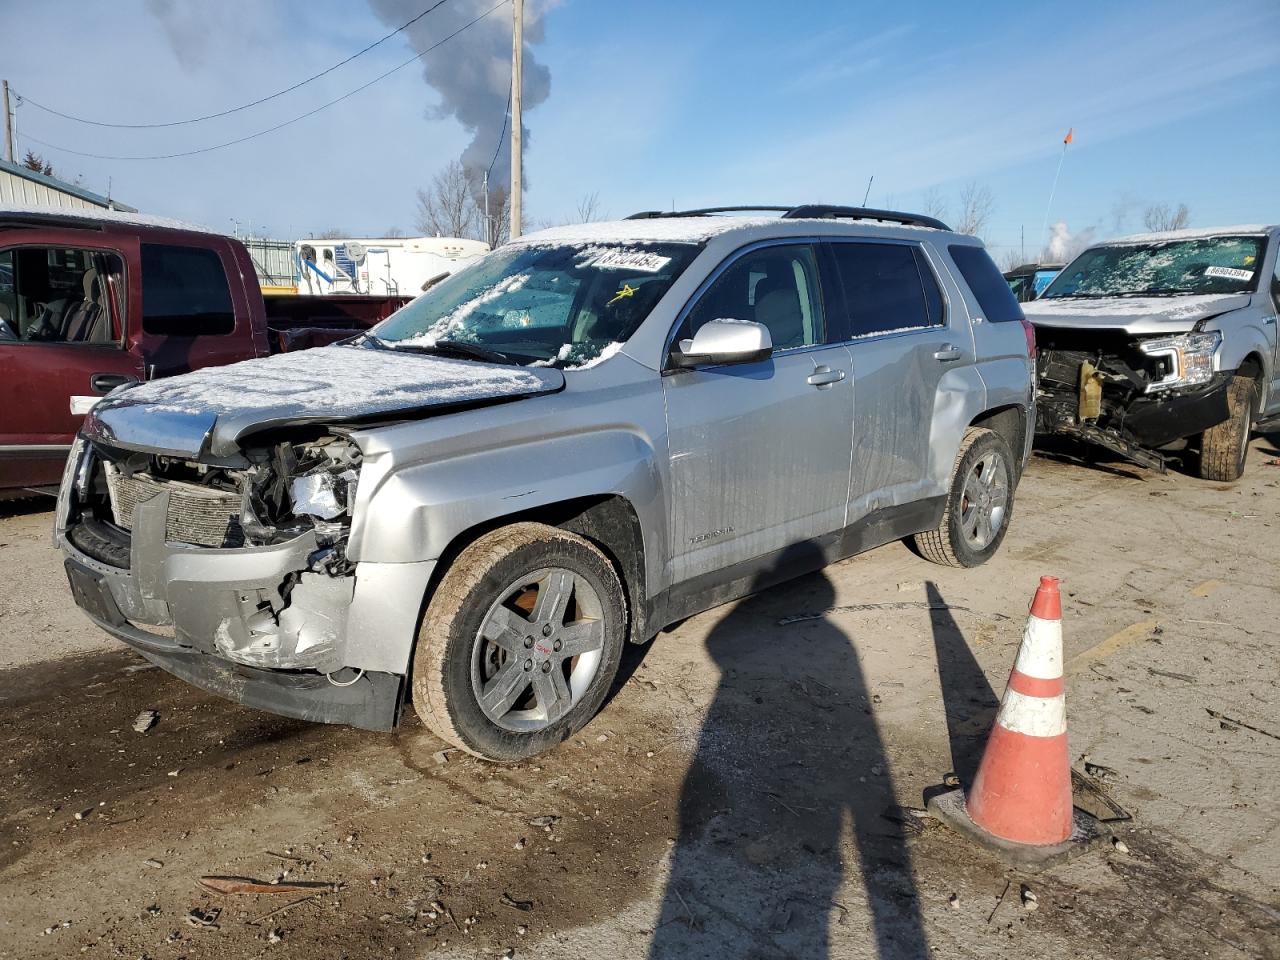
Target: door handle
{"x": 948, "y": 352}
{"x": 825, "y": 376}
{"x": 106, "y": 382}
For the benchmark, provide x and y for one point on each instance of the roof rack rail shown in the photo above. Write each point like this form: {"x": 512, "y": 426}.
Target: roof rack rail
{"x": 822, "y": 211}
{"x": 808, "y": 211}
{"x": 702, "y": 212}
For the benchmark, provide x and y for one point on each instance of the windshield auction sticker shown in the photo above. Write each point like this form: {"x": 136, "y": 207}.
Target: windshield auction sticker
{"x": 636, "y": 260}
{"x": 1228, "y": 273}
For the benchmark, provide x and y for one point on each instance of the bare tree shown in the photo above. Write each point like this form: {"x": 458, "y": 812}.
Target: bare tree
{"x": 333, "y": 233}
{"x": 1010, "y": 258}
{"x": 976, "y": 206}
{"x": 1159, "y": 217}
{"x": 447, "y": 208}
{"x": 934, "y": 204}
{"x": 394, "y": 233}
{"x": 589, "y": 208}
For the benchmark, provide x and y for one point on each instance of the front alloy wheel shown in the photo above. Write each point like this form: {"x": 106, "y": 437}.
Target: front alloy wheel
{"x": 538, "y": 650}
{"x": 520, "y": 642}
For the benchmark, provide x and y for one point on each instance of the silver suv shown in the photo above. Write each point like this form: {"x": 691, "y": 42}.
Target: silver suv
{"x": 588, "y": 435}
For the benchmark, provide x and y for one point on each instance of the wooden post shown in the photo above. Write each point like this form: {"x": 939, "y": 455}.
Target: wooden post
{"x": 8, "y": 125}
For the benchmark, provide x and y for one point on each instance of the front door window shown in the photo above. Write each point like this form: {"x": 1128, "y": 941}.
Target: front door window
{"x": 59, "y": 295}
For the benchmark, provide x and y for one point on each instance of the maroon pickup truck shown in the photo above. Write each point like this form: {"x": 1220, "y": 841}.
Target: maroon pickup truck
{"x": 92, "y": 299}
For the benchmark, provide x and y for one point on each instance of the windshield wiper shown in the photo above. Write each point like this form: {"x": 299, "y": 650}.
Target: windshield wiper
{"x": 461, "y": 348}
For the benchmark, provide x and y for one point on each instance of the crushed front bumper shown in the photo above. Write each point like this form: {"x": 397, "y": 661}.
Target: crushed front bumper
{"x": 1073, "y": 400}
{"x": 253, "y": 624}
{"x": 373, "y": 701}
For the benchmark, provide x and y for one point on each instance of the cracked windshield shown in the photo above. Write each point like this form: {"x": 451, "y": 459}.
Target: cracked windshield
{"x": 1201, "y": 265}
{"x": 563, "y": 305}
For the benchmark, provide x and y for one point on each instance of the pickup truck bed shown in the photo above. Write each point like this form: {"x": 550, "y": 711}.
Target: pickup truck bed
{"x": 90, "y": 300}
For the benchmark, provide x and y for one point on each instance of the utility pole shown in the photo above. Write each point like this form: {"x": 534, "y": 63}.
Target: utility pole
{"x": 517, "y": 123}
{"x": 8, "y": 125}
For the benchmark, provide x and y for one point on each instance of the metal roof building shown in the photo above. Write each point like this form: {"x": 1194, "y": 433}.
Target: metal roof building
{"x": 21, "y": 186}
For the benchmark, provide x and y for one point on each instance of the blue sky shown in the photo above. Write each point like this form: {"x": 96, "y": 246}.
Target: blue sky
{"x": 666, "y": 101}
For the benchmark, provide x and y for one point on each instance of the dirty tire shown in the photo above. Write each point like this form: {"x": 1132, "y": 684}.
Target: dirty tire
{"x": 443, "y": 695}
{"x": 945, "y": 544}
{"x": 1223, "y": 448}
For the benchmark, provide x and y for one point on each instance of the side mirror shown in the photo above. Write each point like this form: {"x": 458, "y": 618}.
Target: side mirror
{"x": 723, "y": 341}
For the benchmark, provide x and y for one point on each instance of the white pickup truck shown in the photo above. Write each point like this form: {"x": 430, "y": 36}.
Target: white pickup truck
{"x": 1163, "y": 340}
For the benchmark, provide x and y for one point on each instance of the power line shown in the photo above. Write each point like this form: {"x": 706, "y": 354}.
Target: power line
{"x": 506, "y": 118}
{"x": 246, "y": 106}
{"x": 278, "y": 126}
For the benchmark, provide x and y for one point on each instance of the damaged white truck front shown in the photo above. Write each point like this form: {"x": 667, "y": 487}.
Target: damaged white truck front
{"x": 1163, "y": 342}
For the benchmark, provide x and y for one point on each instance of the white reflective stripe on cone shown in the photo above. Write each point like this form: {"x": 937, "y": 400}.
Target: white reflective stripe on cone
{"x": 1034, "y": 716}
{"x": 1040, "y": 655}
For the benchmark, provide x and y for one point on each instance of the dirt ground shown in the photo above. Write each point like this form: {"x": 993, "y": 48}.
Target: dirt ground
{"x": 742, "y": 794}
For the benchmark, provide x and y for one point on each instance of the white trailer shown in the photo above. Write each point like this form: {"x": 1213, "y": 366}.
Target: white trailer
{"x": 386, "y": 266}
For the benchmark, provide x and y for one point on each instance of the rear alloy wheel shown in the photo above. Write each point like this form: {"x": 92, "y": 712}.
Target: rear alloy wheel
{"x": 979, "y": 503}
{"x": 520, "y": 643}
{"x": 1223, "y": 448}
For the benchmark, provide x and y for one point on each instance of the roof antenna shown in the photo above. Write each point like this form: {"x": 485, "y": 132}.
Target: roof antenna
{"x": 868, "y": 193}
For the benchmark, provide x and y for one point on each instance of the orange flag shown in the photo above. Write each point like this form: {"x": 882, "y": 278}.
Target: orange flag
{"x": 1070, "y": 136}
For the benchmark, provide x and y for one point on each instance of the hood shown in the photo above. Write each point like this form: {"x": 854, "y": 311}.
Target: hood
{"x": 1135, "y": 315}
{"x": 212, "y": 409}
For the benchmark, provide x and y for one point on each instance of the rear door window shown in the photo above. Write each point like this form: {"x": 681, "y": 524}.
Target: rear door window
{"x": 185, "y": 292}
{"x": 59, "y": 295}
{"x": 989, "y": 287}
{"x": 888, "y": 288}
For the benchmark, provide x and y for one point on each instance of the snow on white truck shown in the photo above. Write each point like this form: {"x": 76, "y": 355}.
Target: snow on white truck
{"x": 1162, "y": 340}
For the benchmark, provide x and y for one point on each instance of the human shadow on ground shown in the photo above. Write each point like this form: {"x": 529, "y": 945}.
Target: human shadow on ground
{"x": 968, "y": 699}
{"x": 790, "y": 763}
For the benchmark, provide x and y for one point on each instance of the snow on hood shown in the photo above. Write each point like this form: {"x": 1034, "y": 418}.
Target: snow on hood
{"x": 1132, "y": 314}
{"x": 325, "y": 384}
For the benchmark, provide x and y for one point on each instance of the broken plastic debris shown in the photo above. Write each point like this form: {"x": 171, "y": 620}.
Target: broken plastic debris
{"x": 509, "y": 901}
{"x": 204, "y": 918}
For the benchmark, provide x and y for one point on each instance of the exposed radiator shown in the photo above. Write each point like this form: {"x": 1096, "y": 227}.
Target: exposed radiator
{"x": 199, "y": 515}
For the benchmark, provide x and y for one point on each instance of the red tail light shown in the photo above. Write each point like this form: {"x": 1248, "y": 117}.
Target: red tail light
{"x": 1030, "y": 331}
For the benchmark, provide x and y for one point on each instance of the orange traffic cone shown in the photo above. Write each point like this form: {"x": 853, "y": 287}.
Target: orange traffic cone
{"x": 1020, "y": 802}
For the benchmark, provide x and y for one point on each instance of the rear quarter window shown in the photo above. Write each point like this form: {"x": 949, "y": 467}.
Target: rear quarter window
{"x": 185, "y": 292}
{"x": 998, "y": 303}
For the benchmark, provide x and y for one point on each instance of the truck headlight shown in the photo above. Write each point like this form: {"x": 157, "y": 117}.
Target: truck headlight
{"x": 1190, "y": 357}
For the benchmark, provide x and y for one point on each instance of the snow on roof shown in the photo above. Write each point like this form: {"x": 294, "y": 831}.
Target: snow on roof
{"x": 105, "y": 216}
{"x": 1195, "y": 233}
{"x": 687, "y": 229}
{"x": 656, "y": 229}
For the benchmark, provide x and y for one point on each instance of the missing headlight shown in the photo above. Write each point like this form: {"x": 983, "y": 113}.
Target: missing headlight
{"x": 299, "y": 486}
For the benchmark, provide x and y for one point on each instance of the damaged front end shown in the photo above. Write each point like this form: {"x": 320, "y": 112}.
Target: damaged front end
{"x": 225, "y": 570}
{"x": 1131, "y": 395}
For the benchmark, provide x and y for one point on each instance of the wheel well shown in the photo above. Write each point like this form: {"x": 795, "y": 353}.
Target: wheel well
{"x": 1011, "y": 424}
{"x": 1251, "y": 366}
{"x": 608, "y": 521}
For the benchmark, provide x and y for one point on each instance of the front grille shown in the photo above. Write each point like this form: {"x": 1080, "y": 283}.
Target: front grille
{"x": 201, "y": 515}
